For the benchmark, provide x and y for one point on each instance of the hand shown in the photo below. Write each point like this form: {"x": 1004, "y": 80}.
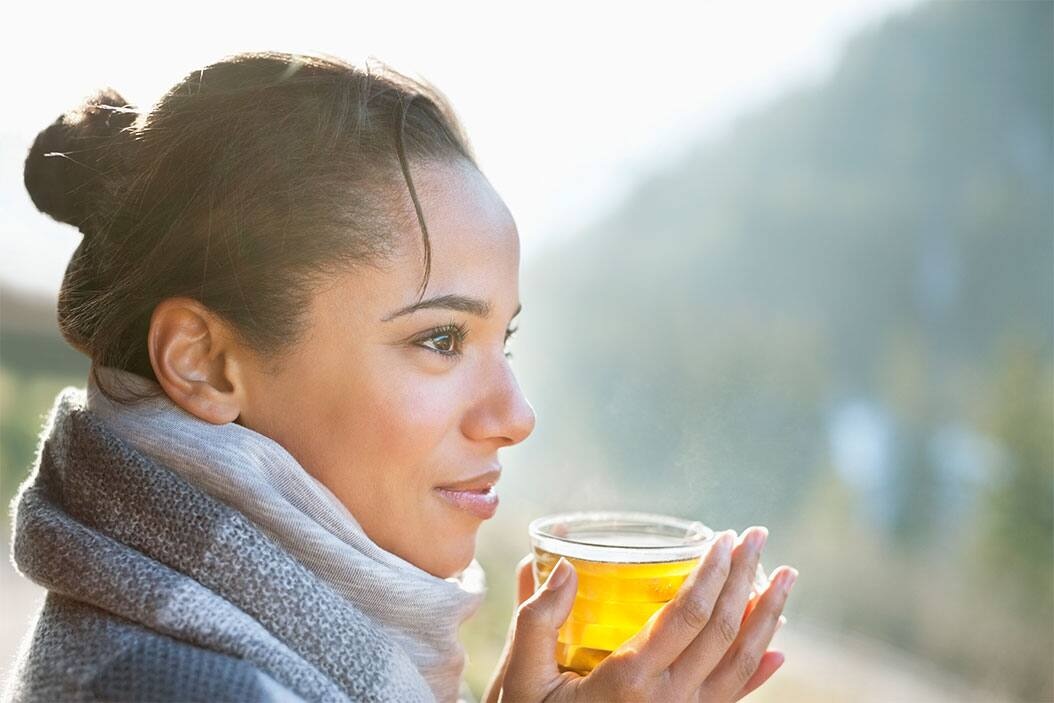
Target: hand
{"x": 698, "y": 647}
{"x": 524, "y": 590}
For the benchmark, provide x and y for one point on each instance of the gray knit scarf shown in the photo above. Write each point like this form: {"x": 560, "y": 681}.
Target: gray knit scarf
{"x": 215, "y": 536}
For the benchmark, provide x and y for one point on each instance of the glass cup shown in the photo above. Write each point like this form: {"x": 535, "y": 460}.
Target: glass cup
{"x": 629, "y": 565}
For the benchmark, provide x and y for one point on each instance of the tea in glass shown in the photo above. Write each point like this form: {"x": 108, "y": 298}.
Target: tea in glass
{"x": 628, "y": 564}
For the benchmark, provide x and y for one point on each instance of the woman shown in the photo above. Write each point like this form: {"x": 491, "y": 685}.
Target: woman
{"x": 296, "y": 288}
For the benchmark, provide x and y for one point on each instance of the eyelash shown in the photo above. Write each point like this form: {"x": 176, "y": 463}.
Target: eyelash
{"x": 459, "y": 332}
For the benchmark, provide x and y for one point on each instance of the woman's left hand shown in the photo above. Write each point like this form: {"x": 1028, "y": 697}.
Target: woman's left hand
{"x": 524, "y": 590}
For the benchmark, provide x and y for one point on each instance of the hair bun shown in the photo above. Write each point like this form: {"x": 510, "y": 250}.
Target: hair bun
{"x": 67, "y": 166}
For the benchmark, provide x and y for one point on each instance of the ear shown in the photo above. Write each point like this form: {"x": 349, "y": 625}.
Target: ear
{"x": 197, "y": 360}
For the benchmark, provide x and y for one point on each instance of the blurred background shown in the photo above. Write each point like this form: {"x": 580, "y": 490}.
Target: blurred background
{"x": 788, "y": 264}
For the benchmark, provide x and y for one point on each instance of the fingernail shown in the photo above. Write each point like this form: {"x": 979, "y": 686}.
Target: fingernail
{"x": 781, "y": 623}
{"x": 758, "y": 537}
{"x": 559, "y": 574}
{"x": 787, "y": 579}
{"x": 724, "y": 542}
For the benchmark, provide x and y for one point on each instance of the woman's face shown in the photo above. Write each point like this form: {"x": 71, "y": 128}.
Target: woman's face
{"x": 384, "y": 408}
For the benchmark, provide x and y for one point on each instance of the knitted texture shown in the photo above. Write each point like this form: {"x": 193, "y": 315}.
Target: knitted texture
{"x": 158, "y": 591}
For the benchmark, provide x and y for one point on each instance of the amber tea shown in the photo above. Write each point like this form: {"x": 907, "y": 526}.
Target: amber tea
{"x": 629, "y": 565}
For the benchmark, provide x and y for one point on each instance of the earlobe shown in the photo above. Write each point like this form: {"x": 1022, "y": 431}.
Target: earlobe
{"x": 194, "y": 360}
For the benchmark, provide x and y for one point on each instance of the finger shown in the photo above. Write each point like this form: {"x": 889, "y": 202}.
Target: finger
{"x": 532, "y": 657}
{"x": 770, "y": 662}
{"x": 743, "y": 658}
{"x": 681, "y": 620}
{"x": 524, "y": 579}
{"x": 524, "y": 590}
{"x": 702, "y": 656}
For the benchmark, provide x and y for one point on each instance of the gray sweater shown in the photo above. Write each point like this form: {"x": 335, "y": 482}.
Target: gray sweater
{"x": 157, "y": 591}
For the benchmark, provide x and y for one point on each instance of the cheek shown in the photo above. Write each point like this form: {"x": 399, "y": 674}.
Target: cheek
{"x": 414, "y": 420}
{"x": 393, "y": 428}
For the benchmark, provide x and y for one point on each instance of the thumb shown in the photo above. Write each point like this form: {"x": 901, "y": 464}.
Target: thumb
{"x": 524, "y": 589}
{"x": 532, "y": 669}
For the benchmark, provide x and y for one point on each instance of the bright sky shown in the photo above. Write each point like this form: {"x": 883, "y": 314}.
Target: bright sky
{"x": 566, "y": 103}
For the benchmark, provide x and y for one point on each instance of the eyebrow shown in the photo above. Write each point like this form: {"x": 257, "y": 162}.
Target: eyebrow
{"x": 473, "y": 306}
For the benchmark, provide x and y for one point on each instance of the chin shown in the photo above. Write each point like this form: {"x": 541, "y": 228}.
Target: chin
{"x": 453, "y": 561}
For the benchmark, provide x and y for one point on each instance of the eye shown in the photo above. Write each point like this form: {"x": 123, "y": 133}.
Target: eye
{"x": 446, "y": 340}
{"x": 449, "y": 339}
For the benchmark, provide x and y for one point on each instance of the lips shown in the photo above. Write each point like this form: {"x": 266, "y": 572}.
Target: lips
{"x": 480, "y": 505}
{"x": 478, "y": 483}
{"x": 474, "y": 495}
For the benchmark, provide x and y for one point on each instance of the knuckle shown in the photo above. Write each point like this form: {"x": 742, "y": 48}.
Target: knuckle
{"x": 530, "y": 613}
{"x": 746, "y": 664}
{"x": 727, "y": 628}
{"x": 694, "y": 613}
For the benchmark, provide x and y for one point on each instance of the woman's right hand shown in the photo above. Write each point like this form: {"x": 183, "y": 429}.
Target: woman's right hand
{"x": 698, "y": 647}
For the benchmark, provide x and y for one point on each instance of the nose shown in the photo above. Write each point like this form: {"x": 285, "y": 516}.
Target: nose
{"x": 502, "y": 411}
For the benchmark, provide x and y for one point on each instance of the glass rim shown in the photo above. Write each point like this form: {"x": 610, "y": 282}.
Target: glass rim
{"x": 695, "y": 535}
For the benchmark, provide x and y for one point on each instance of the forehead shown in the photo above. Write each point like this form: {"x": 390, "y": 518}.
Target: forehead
{"x": 474, "y": 251}
{"x": 459, "y": 204}
{"x": 472, "y": 235}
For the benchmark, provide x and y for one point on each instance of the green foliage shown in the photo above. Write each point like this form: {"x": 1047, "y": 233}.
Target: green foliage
{"x": 1016, "y": 532}
{"x": 24, "y": 403}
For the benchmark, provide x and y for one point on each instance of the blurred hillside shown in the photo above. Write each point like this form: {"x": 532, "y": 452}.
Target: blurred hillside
{"x": 837, "y": 320}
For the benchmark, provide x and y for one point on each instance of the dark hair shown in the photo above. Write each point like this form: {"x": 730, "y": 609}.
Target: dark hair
{"x": 243, "y": 185}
